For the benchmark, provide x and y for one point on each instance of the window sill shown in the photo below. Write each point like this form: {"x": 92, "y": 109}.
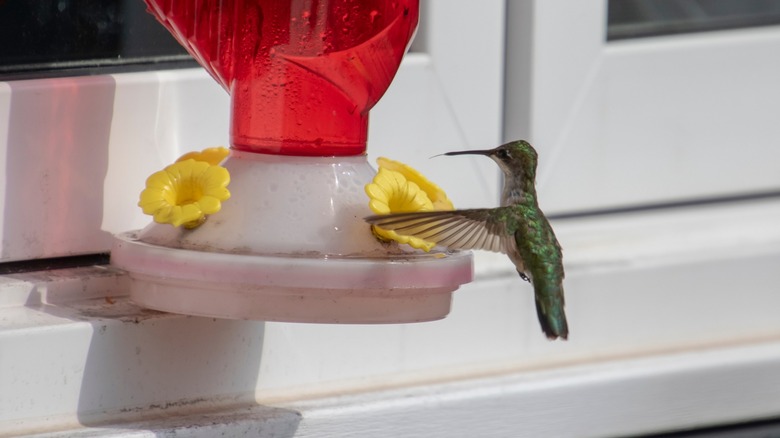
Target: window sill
{"x": 670, "y": 312}
{"x": 646, "y": 395}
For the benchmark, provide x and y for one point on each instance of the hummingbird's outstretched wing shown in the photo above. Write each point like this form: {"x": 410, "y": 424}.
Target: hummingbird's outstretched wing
{"x": 457, "y": 229}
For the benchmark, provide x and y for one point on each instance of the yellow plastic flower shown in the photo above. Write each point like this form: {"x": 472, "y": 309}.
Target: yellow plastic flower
{"x": 212, "y": 156}
{"x": 185, "y": 192}
{"x": 435, "y": 193}
{"x": 398, "y": 188}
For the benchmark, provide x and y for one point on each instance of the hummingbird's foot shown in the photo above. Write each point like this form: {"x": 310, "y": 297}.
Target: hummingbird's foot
{"x": 524, "y": 277}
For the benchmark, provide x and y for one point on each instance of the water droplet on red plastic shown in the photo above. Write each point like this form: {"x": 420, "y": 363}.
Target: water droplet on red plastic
{"x": 269, "y": 55}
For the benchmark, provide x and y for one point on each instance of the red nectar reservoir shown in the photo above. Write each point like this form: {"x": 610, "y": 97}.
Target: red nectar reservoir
{"x": 302, "y": 74}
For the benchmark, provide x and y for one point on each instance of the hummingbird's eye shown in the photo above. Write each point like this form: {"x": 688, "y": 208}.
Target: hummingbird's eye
{"x": 503, "y": 153}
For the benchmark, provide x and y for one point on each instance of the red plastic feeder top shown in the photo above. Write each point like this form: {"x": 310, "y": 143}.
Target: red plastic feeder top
{"x": 302, "y": 74}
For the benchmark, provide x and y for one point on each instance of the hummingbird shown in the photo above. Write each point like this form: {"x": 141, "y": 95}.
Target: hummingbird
{"x": 517, "y": 228}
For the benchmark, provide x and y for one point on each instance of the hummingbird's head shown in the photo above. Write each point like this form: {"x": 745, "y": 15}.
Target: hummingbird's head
{"x": 516, "y": 158}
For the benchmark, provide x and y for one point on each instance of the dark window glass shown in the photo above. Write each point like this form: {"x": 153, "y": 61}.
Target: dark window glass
{"x": 643, "y": 18}
{"x": 60, "y": 37}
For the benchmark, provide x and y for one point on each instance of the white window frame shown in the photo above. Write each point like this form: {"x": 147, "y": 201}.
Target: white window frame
{"x": 633, "y": 280}
{"x": 641, "y": 121}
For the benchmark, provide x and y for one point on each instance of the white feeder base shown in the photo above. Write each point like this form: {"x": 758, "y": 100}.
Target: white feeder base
{"x": 322, "y": 290}
{"x": 290, "y": 245}
{"x": 241, "y": 301}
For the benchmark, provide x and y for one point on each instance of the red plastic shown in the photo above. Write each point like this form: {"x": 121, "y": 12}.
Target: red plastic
{"x": 302, "y": 74}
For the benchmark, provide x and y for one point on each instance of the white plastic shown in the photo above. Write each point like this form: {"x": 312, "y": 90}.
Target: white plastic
{"x": 290, "y": 245}
{"x": 640, "y": 121}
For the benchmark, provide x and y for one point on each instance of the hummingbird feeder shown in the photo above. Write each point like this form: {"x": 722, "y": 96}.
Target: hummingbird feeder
{"x": 290, "y": 244}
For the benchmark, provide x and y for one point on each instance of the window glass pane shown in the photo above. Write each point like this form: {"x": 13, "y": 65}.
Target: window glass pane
{"x": 643, "y": 18}
{"x": 58, "y": 36}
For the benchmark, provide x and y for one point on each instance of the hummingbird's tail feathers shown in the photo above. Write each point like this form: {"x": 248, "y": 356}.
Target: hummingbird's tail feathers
{"x": 455, "y": 229}
{"x": 549, "y": 310}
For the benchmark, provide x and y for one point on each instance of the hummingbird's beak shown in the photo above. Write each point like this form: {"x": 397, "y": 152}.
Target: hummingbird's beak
{"x": 475, "y": 152}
